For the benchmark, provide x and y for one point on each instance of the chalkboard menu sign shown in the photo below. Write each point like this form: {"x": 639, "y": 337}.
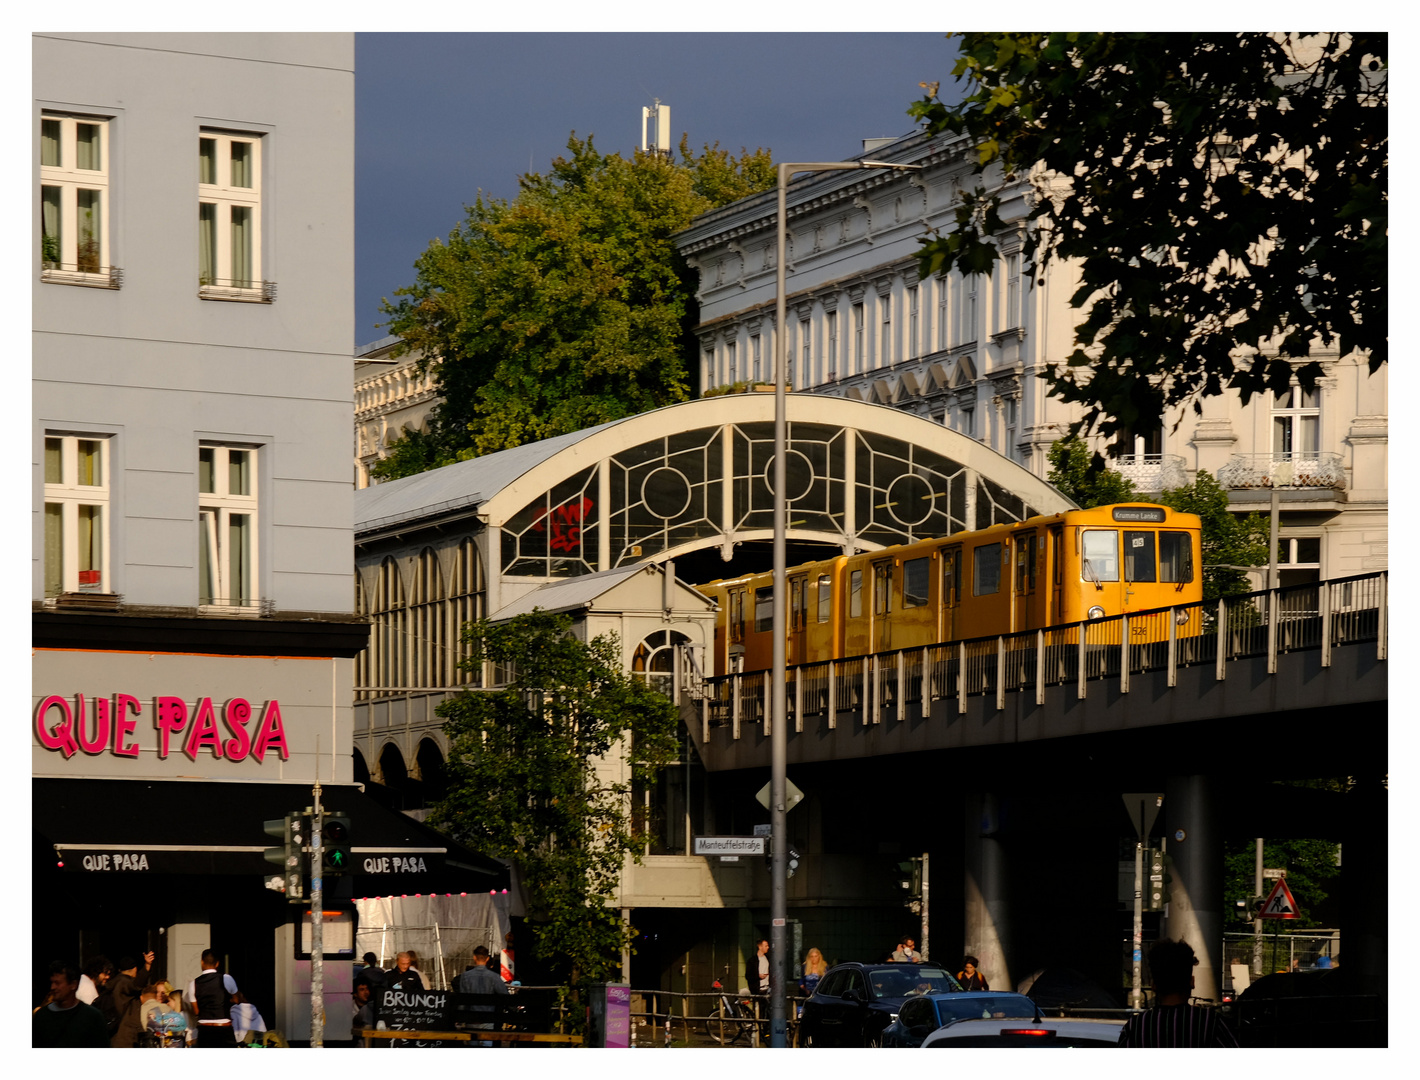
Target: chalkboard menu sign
{"x": 415, "y": 1010}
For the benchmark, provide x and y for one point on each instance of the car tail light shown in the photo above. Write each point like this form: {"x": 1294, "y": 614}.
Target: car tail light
{"x": 1028, "y": 1031}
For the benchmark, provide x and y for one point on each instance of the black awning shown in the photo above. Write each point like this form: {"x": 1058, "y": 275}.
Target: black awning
{"x": 123, "y": 827}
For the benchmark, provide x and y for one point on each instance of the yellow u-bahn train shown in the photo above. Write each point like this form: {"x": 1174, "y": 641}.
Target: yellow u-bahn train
{"x": 1046, "y": 571}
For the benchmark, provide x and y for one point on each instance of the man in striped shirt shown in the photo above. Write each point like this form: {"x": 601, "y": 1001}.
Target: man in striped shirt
{"x": 1173, "y": 1021}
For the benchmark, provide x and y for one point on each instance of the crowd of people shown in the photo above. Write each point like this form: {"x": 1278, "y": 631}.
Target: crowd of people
{"x": 126, "y": 1005}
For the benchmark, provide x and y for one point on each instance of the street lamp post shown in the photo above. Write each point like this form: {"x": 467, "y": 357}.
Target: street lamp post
{"x": 778, "y": 717}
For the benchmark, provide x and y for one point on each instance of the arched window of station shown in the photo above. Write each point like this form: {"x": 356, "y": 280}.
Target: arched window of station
{"x": 468, "y": 597}
{"x": 429, "y": 662}
{"x": 361, "y": 770}
{"x": 433, "y": 779}
{"x": 389, "y": 632}
{"x": 363, "y": 657}
{"x": 393, "y": 773}
{"x": 654, "y": 659}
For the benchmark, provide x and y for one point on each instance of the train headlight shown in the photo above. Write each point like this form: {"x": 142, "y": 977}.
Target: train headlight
{"x": 1096, "y": 612}
{"x": 1180, "y": 617}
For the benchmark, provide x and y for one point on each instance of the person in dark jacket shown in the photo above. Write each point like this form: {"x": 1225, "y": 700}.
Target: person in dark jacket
{"x": 66, "y": 1021}
{"x": 127, "y": 987}
{"x": 211, "y": 995}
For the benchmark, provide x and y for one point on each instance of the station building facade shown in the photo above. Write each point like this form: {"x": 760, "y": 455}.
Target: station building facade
{"x": 966, "y": 351}
{"x": 613, "y": 525}
{"x": 193, "y": 626}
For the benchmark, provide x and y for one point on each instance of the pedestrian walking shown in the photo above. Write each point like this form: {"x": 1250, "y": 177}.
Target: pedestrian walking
{"x": 758, "y": 973}
{"x": 969, "y": 977}
{"x": 1173, "y": 1021}
{"x": 66, "y": 1021}
{"x": 211, "y": 994}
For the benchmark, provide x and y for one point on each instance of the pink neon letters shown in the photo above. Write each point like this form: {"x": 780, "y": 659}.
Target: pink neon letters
{"x": 100, "y": 724}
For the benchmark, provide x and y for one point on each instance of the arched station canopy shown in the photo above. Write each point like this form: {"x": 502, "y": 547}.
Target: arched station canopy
{"x": 698, "y": 475}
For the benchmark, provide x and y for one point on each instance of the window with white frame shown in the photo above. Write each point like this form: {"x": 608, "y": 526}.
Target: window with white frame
{"x": 1011, "y": 317}
{"x": 806, "y": 371}
{"x": 709, "y": 369}
{"x": 229, "y": 256}
{"x": 756, "y": 354}
{"x": 885, "y": 341}
{"x": 227, "y": 517}
{"x": 858, "y": 339}
{"x": 1296, "y": 423}
{"x": 966, "y": 324}
{"x": 912, "y": 323}
{"x": 943, "y": 304}
{"x": 74, "y": 200}
{"x": 968, "y": 421}
{"x": 832, "y": 344}
{"x": 76, "y": 514}
{"x": 1013, "y": 415}
{"x": 1298, "y": 559}
{"x": 730, "y": 361}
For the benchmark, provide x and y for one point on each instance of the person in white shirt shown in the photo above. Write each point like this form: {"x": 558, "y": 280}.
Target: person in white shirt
{"x": 97, "y": 972}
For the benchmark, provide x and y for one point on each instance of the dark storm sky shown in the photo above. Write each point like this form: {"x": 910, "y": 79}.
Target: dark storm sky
{"x": 439, "y": 116}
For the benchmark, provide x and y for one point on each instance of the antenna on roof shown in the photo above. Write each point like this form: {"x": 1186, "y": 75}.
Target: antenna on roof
{"x": 656, "y": 123}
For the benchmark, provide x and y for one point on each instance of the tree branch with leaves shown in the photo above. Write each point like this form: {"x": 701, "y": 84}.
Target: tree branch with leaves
{"x": 1224, "y": 197}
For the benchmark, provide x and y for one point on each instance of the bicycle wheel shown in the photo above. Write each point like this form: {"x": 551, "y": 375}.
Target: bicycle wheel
{"x": 720, "y": 1022}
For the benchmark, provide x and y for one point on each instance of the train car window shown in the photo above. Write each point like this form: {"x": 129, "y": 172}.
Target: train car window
{"x": 1139, "y": 556}
{"x": 797, "y": 607}
{"x": 1101, "y": 555}
{"x": 1025, "y": 564}
{"x": 855, "y": 594}
{"x": 986, "y": 569}
{"x": 825, "y": 597}
{"x": 737, "y": 615}
{"x": 1175, "y": 557}
{"x": 882, "y": 588}
{"x": 764, "y": 610}
{"x": 916, "y": 575}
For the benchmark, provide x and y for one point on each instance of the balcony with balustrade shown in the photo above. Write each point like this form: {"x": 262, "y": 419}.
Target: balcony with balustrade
{"x": 1151, "y": 473}
{"x": 1296, "y": 475}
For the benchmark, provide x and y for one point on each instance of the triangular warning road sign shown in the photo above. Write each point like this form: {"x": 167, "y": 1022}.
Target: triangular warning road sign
{"x": 1279, "y": 903}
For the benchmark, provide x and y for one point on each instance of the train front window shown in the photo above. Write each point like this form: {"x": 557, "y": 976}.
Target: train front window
{"x": 825, "y": 593}
{"x": 764, "y": 610}
{"x": 1138, "y": 556}
{"x": 1175, "y": 557}
{"x": 1101, "y": 550}
{"x": 915, "y": 576}
{"x": 986, "y": 568}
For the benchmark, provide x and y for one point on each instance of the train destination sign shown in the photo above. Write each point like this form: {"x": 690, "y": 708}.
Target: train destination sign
{"x": 729, "y": 845}
{"x": 1140, "y": 513}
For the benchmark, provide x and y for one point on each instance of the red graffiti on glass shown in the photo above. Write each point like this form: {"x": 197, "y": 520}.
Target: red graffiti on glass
{"x": 566, "y": 521}
{"x": 106, "y": 726}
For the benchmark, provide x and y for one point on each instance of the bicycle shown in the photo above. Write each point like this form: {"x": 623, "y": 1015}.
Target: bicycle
{"x": 732, "y": 1020}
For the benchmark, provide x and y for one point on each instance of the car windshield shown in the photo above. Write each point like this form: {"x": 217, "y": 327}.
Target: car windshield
{"x": 992, "y": 1007}
{"x": 909, "y": 980}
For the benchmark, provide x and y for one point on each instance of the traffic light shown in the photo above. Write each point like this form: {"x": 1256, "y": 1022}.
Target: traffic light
{"x": 793, "y": 862}
{"x": 910, "y": 880}
{"x": 292, "y": 831}
{"x": 1158, "y": 875}
{"x": 335, "y": 856}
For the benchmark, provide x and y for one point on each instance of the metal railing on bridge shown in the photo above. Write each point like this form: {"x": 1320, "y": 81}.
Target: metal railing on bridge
{"x": 1317, "y": 615}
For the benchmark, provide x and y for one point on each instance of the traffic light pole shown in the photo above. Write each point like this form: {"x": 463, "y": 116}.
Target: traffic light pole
{"x": 317, "y": 928}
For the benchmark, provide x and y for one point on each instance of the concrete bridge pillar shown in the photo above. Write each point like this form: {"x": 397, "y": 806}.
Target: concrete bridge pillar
{"x": 1195, "y": 911}
{"x": 987, "y": 935}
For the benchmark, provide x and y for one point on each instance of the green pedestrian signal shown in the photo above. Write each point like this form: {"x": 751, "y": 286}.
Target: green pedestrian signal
{"x": 335, "y": 845}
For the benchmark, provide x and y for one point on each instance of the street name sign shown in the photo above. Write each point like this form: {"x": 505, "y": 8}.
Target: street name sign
{"x": 729, "y": 845}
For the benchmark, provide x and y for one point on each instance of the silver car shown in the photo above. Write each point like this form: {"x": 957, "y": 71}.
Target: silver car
{"x": 1005, "y": 1033}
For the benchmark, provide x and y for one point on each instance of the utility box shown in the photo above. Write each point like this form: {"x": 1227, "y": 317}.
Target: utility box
{"x": 293, "y": 975}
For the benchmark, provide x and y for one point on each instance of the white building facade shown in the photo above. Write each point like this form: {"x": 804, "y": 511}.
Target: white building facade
{"x": 967, "y": 352}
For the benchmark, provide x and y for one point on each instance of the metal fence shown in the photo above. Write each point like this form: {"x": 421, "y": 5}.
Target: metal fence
{"x": 442, "y": 953}
{"x": 1266, "y": 953}
{"x": 1313, "y": 616}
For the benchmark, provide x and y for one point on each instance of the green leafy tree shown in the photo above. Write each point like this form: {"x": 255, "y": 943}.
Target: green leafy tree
{"x": 1084, "y": 476}
{"x": 1312, "y": 875}
{"x": 1224, "y": 196}
{"x": 540, "y": 771}
{"x": 1229, "y": 541}
{"x": 568, "y": 306}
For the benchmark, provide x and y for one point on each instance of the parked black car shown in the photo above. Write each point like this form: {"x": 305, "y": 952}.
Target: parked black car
{"x": 854, "y": 1003}
{"x": 920, "y": 1016}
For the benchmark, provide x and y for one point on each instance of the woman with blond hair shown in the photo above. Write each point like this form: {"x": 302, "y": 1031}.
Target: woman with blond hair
{"x": 815, "y": 968}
